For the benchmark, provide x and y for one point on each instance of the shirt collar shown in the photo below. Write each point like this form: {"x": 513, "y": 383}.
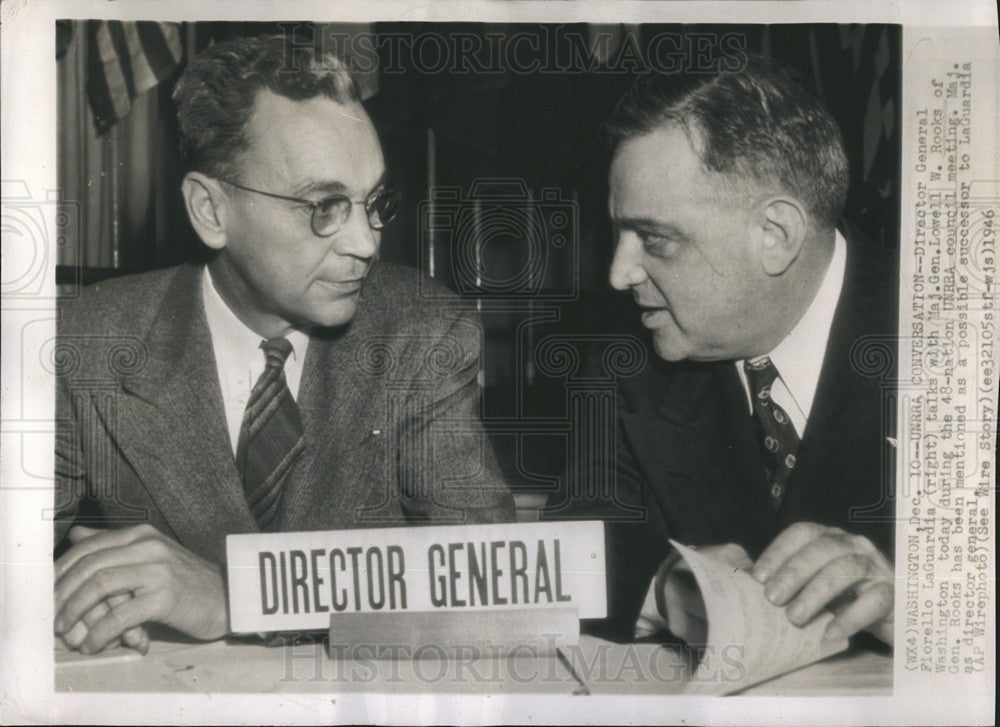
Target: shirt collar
{"x": 233, "y": 336}
{"x": 798, "y": 357}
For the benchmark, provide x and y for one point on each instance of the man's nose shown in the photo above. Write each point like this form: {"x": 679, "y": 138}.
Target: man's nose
{"x": 626, "y": 267}
{"x": 356, "y": 238}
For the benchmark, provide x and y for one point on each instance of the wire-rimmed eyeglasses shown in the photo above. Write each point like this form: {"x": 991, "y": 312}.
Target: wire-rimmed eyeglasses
{"x": 330, "y": 213}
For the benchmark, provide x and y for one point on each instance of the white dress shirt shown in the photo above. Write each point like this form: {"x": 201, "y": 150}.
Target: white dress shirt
{"x": 239, "y": 358}
{"x": 798, "y": 359}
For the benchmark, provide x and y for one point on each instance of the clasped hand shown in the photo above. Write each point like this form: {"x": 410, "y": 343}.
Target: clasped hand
{"x": 111, "y": 582}
{"x": 807, "y": 568}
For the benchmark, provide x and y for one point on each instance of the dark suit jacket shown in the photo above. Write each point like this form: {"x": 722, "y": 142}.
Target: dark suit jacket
{"x": 389, "y": 405}
{"x": 687, "y": 456}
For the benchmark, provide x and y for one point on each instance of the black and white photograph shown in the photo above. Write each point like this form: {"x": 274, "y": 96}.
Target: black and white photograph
{"x": 499, "y": 362}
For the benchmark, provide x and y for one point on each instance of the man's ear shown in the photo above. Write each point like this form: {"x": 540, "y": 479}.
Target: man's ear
{"x": 205, "y": 203}
{"x": 784, "y": 228}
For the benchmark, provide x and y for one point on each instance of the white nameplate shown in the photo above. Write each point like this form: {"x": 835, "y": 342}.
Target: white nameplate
{"x": 292, "y": 581}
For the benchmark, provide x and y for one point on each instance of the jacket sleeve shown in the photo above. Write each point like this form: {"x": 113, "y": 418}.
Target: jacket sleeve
{"x": 446, "y": 468}
{"x": 70, "y": 479}
{"x": 636, "y": 538}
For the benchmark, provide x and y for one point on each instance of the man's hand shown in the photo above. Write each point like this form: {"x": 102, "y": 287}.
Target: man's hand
{"x": 811, "y": 566}
{"x": 168, "y": 584}
{"x": 136, "y": 638}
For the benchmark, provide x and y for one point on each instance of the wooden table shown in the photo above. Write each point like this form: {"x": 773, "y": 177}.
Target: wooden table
{"x": 594, "y": 667}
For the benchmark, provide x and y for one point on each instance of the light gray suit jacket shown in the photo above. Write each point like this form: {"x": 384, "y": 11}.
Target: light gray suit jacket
{"x": 389, "y": 405}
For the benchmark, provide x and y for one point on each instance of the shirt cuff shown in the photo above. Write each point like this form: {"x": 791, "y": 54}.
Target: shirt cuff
{"x": 653, "y": 615}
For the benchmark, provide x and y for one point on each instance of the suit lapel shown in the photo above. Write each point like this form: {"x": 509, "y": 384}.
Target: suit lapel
{"x": 743, "y": 442}
{"x": 815, "y": 474}
{"x": 696, "y": 446}
{"x": 170, "y": 425}
{"x": 845, "y": 436}
{"x": 691, "y": 432}
{"x": 753, "y": 522}
{"x": 344, "y": 421}
{"x": 664, "y": 428}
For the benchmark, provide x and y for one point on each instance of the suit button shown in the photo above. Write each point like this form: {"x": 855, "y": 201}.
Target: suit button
{"x": 777, "y": 490}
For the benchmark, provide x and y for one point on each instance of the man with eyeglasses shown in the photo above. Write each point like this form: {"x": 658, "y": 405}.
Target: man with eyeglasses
{"x": 294, "y": 383}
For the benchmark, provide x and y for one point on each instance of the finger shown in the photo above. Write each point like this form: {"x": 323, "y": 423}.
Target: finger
{"x": 81, "y": 532}
{"x": 121, "y": 618}
{"x": 136, "y": 637}
{"x": 88, "y": 566}
{"x": 734, "y": 555}
{"x": 100, "y": 540}
{"x": 832, "y": 580}
{"x": 789, "y": 541}
{"x": 106, "y": 582}
{"x": 139, "y": 640}
{"x": 801, "y": 567}
{"x": 65, "y": 643}
{"x": 75, "y": 636}
{"x": 874, "y": 604}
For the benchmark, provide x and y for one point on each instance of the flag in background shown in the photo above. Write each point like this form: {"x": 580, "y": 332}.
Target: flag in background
{"x": 125, "y": 60}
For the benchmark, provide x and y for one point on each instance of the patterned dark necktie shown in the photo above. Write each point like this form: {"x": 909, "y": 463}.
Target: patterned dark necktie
{"x": 270, "y": 436}
{"x": 775, "y": 430}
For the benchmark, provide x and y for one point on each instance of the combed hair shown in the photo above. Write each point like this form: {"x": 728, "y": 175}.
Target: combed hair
{"x": 216, "y": 94}
{"x": 759, "y": 125}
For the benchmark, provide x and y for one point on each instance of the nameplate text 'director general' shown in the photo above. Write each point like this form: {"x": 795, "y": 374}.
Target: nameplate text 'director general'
{"x": 288, "y": 581}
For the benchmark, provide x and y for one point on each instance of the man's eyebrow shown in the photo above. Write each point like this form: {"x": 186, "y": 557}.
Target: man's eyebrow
{"x": 309, "y": 186}
{"x": 333, "y": 186}
{"x": 649, "y": 226}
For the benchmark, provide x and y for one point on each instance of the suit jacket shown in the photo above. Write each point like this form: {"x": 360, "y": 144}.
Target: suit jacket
{"x": 389, "y": 405}
{"x": 686, "y": 456}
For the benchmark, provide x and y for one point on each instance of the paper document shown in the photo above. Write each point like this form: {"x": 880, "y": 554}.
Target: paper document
{"x": 741, "y": 618}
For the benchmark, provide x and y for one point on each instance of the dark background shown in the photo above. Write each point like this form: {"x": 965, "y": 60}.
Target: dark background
{"x": 543, "y": 129}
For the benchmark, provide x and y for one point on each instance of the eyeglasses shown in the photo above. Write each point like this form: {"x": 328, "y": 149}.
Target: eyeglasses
{"x": 330, "y": 213}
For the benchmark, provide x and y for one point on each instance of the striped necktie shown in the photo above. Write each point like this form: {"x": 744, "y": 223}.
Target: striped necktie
{"x": 270, "y": 436}
{"x": 775, "y": 430}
